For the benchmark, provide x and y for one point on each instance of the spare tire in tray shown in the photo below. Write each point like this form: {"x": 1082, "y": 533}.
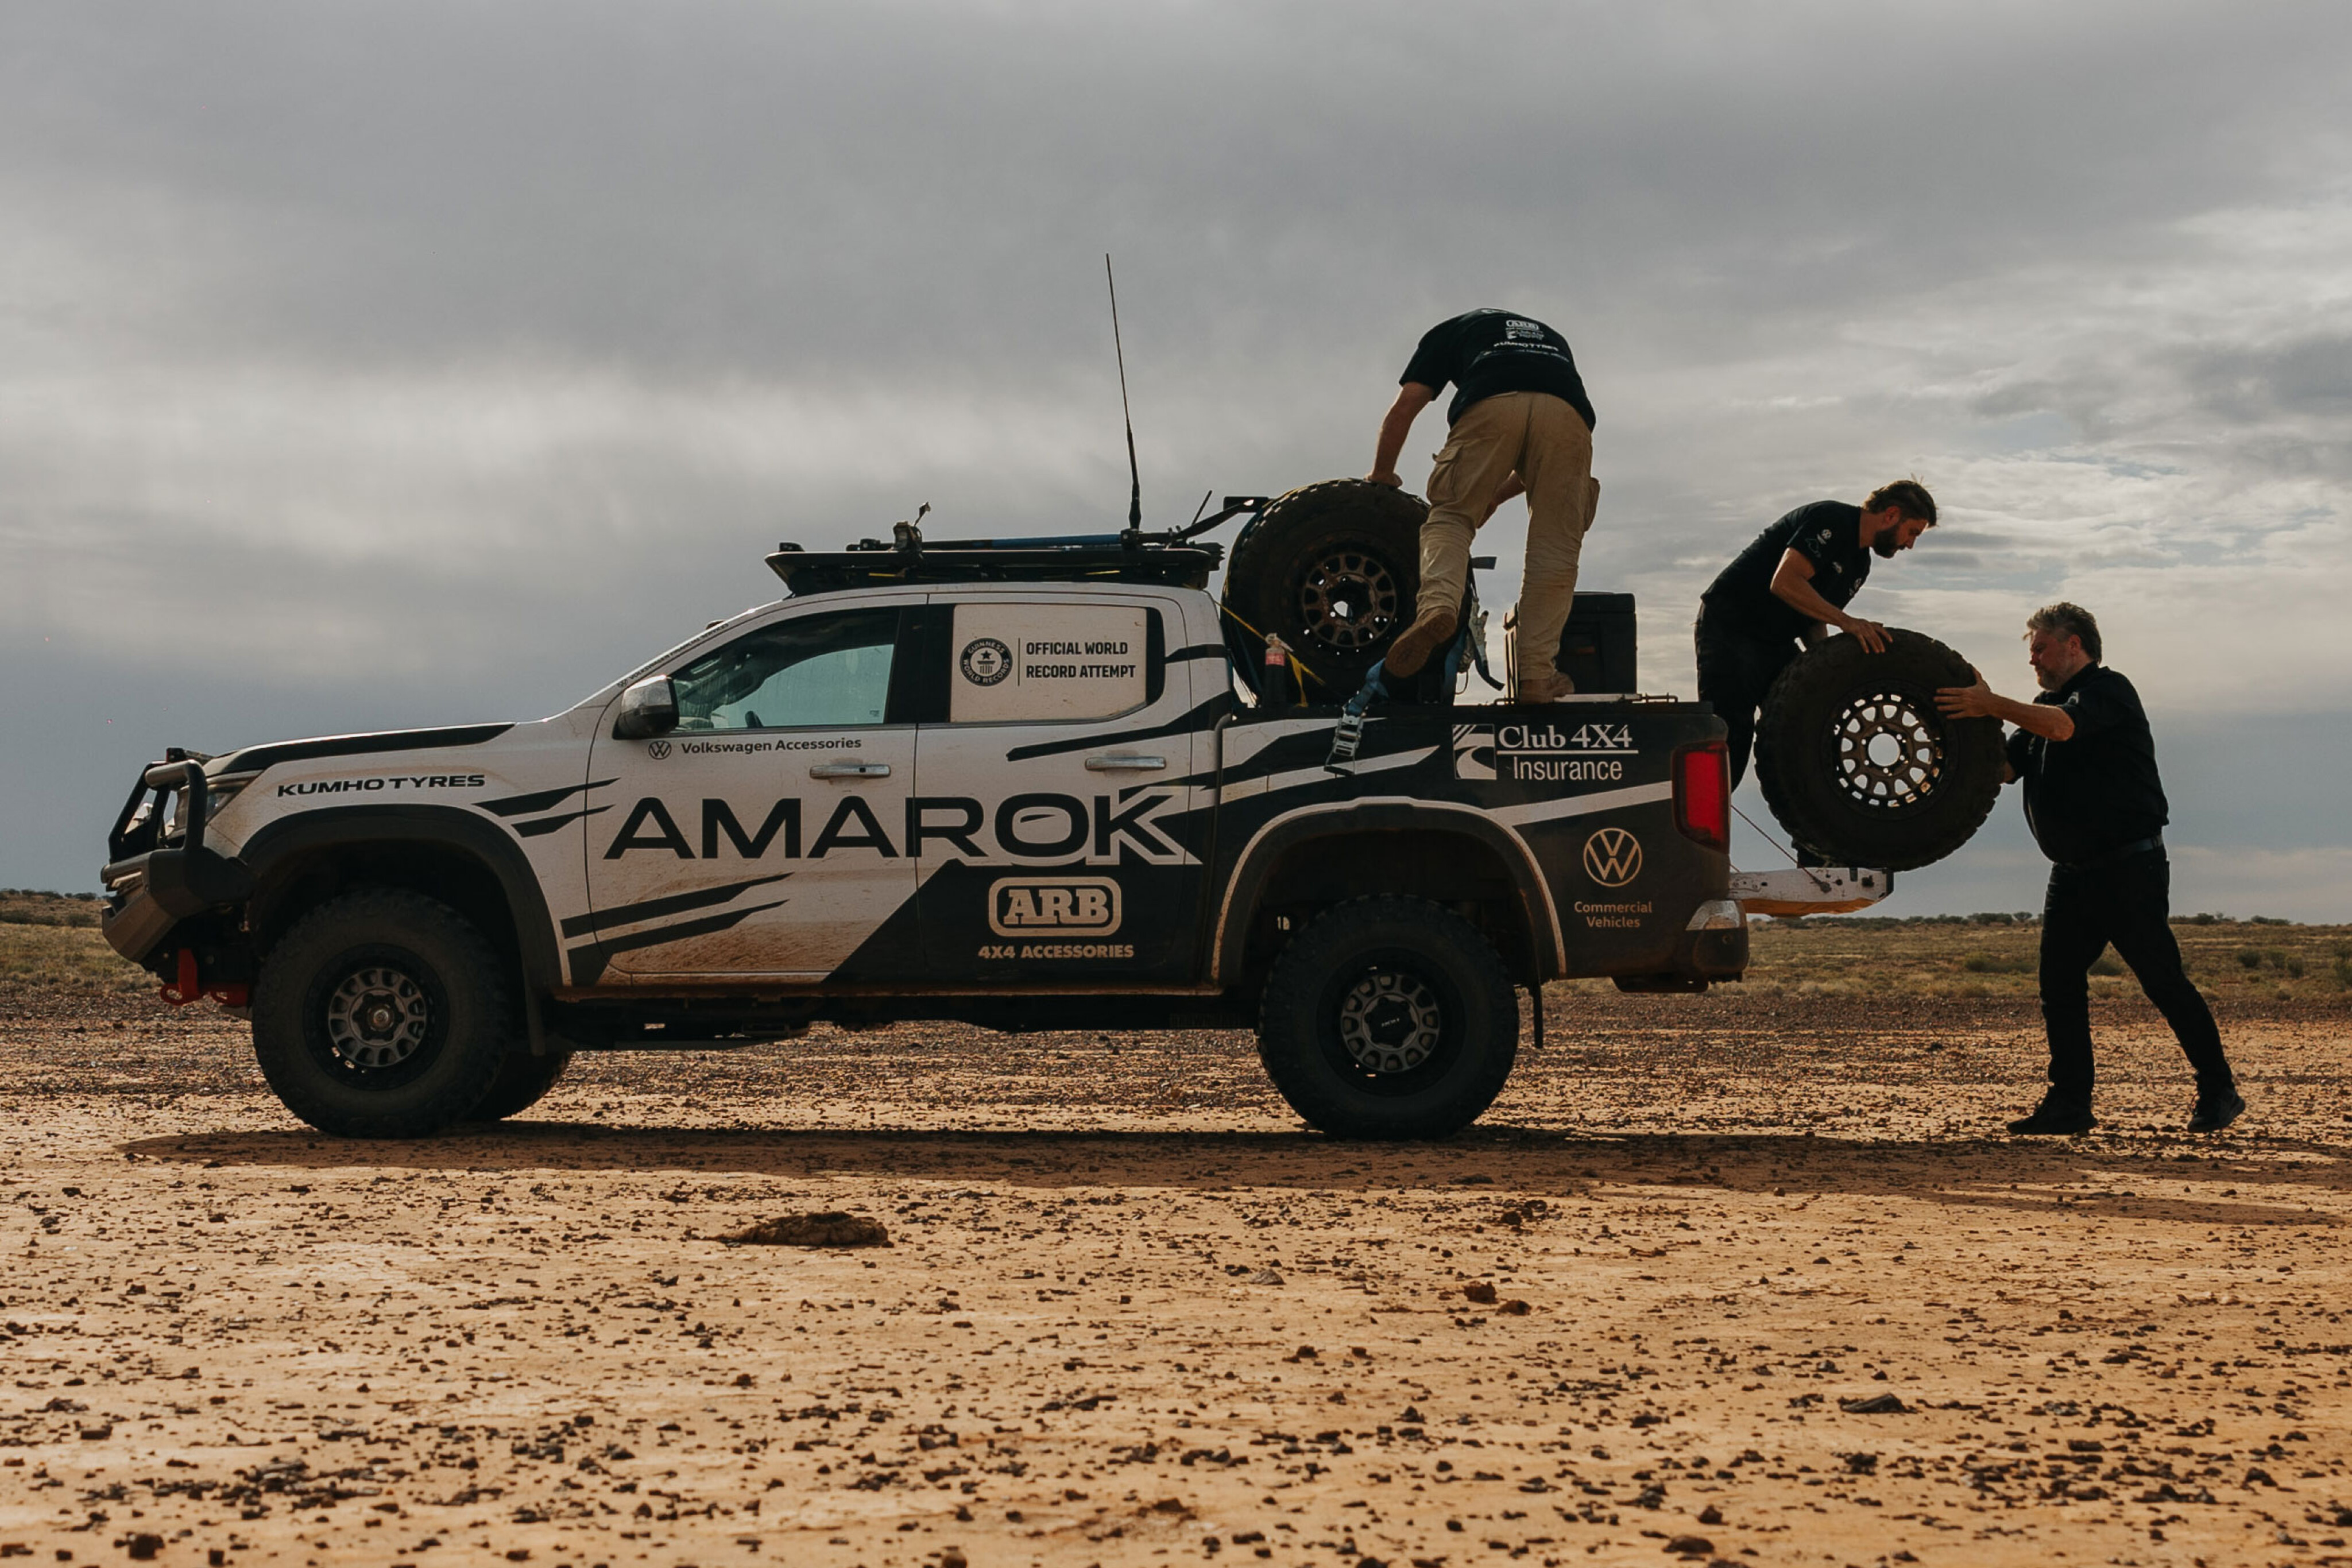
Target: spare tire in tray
{"x": 1332, "y": 570}
{"x": 1859, "y": 766}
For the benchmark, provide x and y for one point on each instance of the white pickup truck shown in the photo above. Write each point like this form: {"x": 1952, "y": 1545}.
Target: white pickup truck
{"x": 1016, "y": 785}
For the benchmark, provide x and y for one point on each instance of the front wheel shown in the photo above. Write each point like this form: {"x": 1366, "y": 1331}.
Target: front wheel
{"x": 1390, "y": 1018}
{"x": 382, "y": 1014}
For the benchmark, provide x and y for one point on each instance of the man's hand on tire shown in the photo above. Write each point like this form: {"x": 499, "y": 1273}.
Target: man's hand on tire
{"x": 1966, "y": 701}
{"x": 1869, "y": 634}
{"x": 1388, "y": 477}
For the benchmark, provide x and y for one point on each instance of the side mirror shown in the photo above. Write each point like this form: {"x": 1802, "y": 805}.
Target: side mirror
{"x": 647, "y": 709}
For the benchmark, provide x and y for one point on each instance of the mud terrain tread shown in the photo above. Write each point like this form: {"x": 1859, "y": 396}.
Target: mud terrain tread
{"x": 480, "y": 1030}
{"x": 1796, "y": 758}
{"x": 1290, "y": 1032}
{"x": 1262, "y": 578}
{"x": 522, "y": 1081}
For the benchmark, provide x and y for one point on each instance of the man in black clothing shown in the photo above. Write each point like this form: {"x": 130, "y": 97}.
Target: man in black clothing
{"x": 1520, "y": 425}
{"x": 2098, "y": 809}
{"x": 1795, "y": 581}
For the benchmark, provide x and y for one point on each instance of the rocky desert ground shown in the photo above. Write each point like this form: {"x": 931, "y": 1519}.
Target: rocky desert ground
{"x": 1745, "y": 1277}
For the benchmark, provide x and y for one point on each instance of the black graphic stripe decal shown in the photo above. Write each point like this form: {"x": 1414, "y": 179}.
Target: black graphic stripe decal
{"x": 255, "y": 757}
{"x": 1197, "y": 651}
{"x": 1201, "y": 717}
{"x": 549, "y": 824}
{"x": 540, "y": 800}
{"x": 655, "y": 908}
{"x": 589, "y": 959}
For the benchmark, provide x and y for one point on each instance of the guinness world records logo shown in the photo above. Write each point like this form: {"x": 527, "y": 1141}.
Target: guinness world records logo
{"x": 985, "y": 661}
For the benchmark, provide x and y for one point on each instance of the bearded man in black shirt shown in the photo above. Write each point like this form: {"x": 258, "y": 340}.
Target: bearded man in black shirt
{"x": 1794, "y": 581}
{"x": 2098, "y": 809}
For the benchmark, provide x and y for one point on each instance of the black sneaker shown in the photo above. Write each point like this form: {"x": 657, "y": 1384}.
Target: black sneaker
{"x": 2216, "y": 1111}
{"x": 2055, "y": 1117}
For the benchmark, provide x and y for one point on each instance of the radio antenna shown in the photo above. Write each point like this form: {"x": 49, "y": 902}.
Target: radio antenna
{"x": 1134, "y": 473}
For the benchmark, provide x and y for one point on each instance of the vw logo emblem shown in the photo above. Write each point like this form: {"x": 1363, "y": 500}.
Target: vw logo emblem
{"x": 658, "y": 750}
{"x": 1612, "y": 857}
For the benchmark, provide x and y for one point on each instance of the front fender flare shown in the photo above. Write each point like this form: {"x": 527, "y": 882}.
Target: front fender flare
{"x": 336, "y": 827}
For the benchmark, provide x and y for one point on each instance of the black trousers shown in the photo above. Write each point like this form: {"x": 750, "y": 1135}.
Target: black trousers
{"x": 2126, "y": 903}
{"x": 1735, "y": 670}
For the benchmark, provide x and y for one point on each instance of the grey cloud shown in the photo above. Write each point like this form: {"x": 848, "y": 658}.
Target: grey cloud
{"x": 444, "y": 348}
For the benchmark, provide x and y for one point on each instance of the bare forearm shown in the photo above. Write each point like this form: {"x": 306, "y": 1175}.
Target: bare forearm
{"x": 1801, "y": 596}
{"x": 1395, "y": 425}
{"x": 2035, "y": 718}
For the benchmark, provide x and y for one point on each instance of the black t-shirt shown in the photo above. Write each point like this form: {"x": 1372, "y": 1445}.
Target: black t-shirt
{"x": 2098, "y": 791}
{"x": 1826, "y": 533}
{"x": 1490, "y": 351}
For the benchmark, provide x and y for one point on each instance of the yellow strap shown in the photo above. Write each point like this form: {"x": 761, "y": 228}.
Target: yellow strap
{"x": 1224, "y": 608}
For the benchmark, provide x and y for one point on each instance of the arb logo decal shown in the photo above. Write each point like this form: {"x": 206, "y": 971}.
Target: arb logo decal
{"x": 1087, "y": 905}
{"x": 1612, "y": 857}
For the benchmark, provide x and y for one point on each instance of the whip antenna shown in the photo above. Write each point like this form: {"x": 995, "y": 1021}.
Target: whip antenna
{"x": 1134, "y": 474}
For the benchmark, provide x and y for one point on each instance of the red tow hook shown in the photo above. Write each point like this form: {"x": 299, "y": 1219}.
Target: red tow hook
{"x": 187, "y": 986}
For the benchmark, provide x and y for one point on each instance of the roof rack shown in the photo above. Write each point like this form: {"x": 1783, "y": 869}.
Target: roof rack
{"x": 1169, "y": 559}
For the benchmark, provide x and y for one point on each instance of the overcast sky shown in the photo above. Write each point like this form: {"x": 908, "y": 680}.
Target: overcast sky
{"x": 376, "y": 365}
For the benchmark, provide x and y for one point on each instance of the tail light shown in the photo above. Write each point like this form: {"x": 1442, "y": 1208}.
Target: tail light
{"x": 1703, "y": 795}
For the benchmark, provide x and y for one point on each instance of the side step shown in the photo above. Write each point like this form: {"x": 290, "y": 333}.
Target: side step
{"x": 1809, "y": 890}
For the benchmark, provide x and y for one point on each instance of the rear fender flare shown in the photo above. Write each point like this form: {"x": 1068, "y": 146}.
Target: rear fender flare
{"x": 1254, "y": 868}
{"x": 341, "y": 827}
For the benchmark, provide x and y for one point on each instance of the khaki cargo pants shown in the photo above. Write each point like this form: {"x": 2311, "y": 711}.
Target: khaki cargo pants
{"x": 1542, "y": 439}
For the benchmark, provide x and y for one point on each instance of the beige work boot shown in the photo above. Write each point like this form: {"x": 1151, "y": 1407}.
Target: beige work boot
{"x": 1431, "y": 631}
{"x": 1549, "y": 686}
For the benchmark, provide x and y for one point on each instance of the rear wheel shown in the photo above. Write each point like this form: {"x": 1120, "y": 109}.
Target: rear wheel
{"x": 1332, "y": 570}
{"x": 522, "y": 1081}
{"x": 382, "y": 1014}
{"x": 1390, "y": 1018}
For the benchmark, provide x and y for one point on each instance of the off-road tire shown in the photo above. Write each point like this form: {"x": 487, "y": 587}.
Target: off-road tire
{"x": 1332, "y": 570}
{"x": 382, "y": 1014}
{"x": 522, "y": 1081}
{"x": 1433, "y": 980}
{"x": 1918, "y": 796}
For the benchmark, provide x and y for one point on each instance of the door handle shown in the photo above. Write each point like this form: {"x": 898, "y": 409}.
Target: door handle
{"x": 849, "y": 770}
{"x": 1123, "y": 761}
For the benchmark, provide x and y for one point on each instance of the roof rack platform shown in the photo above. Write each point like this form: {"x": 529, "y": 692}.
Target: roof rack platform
{"x": 1172, "y": 559}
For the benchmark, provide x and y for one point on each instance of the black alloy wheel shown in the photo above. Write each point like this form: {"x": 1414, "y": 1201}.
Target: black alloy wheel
{"x": 382, "y": 1014}
{"x": 1389, "y": 1018}
{"x": 1861, "y": 766}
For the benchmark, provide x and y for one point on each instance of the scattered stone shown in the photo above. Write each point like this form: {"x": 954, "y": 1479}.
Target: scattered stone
{"x": 143, "y": 1546}
{"x": 1515, "y": 1308}
{"x": 1878, "y": 1405}
{"x": 1710, "y": 1514}
{"x": 1481, "y": 1292}
{"x": 831, "y": 1228}
{"x": 951, "y": 1557}
{"x": 1266, "y": 1277}
{"x": 1691, "y": 1546}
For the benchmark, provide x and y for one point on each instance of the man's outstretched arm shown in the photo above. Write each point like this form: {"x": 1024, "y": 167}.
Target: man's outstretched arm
{"x": 1980, "y": 701}
{"x": 1793, "y": 584}
{"x": 1395, "y": 425}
